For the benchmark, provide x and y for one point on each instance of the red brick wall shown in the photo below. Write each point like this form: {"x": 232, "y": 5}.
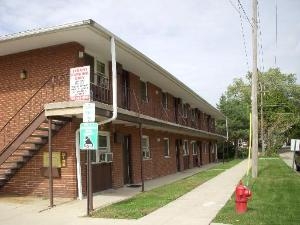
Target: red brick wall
{"x": 40, "y": 64}
{"x": 28, "y": 180}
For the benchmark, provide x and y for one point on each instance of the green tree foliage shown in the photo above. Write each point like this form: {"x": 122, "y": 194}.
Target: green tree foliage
{"x": 281, "y": 107}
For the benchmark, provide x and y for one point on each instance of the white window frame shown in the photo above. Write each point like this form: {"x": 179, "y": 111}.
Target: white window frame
{"x": 98, "y": 74}
{"x": 185, "y": 111}
{"x": 194, "y": 147}
{"x": 146, "y": 149}
{"x": 185, "y": 147}
{"x": 146, "y": 90}
{"x": 165, "y": 100}
{"x": 99, "y": 151}
{"x": 168, "y": 155}
{"x": 193, "y": 114}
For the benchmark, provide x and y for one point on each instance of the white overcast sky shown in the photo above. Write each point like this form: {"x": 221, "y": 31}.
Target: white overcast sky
{"x": 198, "y": 41}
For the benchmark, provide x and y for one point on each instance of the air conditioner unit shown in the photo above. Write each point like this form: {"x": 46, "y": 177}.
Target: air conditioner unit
{"x": 106, "y": 157}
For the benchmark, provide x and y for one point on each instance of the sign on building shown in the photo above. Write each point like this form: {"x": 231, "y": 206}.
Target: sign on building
{"x": 89, "y": 112}
{"x": 295, "y": 144}
{"x": 89, "y": 136}
{"x": 80, "y": 83}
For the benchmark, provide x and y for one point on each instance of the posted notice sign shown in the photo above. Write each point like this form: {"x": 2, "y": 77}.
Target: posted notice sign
{"x": 80, "y": 83}
{"x": 89, "y": 136}
{"x": 89, "y": 112}
{"x": 295, "y": 145}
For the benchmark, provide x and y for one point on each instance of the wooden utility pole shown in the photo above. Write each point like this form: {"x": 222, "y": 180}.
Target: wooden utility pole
{"x": 254, "y": 93}
{"x": 262, "y": 119}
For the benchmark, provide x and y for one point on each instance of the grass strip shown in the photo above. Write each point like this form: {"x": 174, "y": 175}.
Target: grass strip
{"x": 275, "y": 200}
{"x": 146, "y": 202}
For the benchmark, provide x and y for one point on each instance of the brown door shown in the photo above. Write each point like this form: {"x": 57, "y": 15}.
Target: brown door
{"x": 200, "y": 153}
{"x": 101, "y": 176}
{"x": 209, "y": 152}
{"x": 125, "y": 90}
{"x": 176, "y": 109}
{"x": 177, "y": 144}
{"x": 127, "y": 160}
{"x": 89, "y": 61}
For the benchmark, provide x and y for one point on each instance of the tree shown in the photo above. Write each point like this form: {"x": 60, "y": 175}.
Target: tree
{"x": 281, "y": 108}
{"x": 235, "y": 105}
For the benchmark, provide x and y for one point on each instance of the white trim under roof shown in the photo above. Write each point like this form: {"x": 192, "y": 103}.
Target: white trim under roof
{"x": 90, "y": 34}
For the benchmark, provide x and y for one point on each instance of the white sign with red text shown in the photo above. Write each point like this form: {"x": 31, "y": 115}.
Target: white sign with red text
{"x": 80, "y": 83}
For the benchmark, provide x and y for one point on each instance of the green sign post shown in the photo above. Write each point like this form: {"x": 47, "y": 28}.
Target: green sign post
{"x": 88, "y": 142}
{"x": 89, "y": 136}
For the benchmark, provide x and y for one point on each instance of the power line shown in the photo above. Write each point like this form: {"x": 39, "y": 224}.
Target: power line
{"x": 260, "y": 52}
{"x": 245, "y": 14}
{"x": 238, "y": 10}
{"x": 244, "y": 39}
{"x": 276, "y": 32}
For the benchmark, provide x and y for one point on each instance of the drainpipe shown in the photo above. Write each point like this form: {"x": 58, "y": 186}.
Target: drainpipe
{"x": 114, "y": 82}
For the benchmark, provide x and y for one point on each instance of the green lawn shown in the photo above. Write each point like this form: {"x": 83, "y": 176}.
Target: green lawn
{"x": 145, "y": 203}
{"x": 275, "y": 197}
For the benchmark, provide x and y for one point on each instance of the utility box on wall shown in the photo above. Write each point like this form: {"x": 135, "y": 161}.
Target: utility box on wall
{"x": 59, "y": 160}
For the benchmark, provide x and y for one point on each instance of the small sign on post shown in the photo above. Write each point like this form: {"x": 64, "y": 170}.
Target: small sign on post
{"x": 89, "y": 112}
{"x": 295, "y": 147}
{"x": 89, "y": 136}
{"x": 88, "y": 142}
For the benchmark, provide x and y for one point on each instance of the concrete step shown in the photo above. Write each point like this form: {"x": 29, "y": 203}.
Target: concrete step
{"x": 45, "y": 127}
{"x": 15, "y": 158}
{"x": 24, "y": 153}
{"x": 36, "y": 140}
{"x": 29, "y": 146}
{"x": 11, "y": 165}
{"x": 40, "y": 133}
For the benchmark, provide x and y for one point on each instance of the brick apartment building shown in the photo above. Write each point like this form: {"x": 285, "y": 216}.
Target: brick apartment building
{"x": 177, "y": 126}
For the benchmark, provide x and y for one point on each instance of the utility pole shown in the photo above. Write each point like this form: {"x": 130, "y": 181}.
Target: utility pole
{"x": 262, "y": 119}
{"x": 254, "y": 92}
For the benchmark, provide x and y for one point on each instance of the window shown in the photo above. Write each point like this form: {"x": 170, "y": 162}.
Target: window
{"x": 103, "y": 147}
{"x": 101, "y": 78}
{"x": 185, "y": 110}
{"x": 145, "y": 147}
{"x": 185, "y": 147}
{"x": 193, "y": 114}
{"x": 194, "y": 147}
{"x": 205, "y": 148}
{"x": 166, "y": 147}
{"x": 144, "y": 95}
{"x": 165, "y": 100}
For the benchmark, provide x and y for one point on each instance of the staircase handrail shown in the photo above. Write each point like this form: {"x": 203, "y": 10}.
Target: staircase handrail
{"x": 9, "y": 133}
{"x": 11, "y": 118}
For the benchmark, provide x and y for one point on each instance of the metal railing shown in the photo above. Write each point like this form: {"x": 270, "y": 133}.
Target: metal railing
{"x": 53, "y": 89}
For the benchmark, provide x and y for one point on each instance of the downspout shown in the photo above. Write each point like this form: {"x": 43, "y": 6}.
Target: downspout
{"x": 114, "y": 82}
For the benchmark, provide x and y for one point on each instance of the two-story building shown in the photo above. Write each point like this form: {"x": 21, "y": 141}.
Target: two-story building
{"x": 162, "y": 126}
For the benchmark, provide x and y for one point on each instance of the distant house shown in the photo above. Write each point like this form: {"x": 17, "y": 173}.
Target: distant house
{"x": 177, "y": 125}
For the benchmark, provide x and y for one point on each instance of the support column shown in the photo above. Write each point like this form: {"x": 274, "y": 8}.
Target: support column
{"x": 50, "y": 162}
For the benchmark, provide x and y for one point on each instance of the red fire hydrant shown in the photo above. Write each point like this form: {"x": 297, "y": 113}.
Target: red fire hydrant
{"x": 242, "y": 194}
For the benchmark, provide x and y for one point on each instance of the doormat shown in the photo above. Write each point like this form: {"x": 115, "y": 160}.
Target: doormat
{"x": 134, "y": 185}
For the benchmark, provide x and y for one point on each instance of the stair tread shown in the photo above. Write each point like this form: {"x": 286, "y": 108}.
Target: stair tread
{"x": 27, "y": 149}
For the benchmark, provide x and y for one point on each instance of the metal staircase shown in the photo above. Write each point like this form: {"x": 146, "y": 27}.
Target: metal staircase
{"x": 23, "y": 148}
{"x": 26, "y": 131}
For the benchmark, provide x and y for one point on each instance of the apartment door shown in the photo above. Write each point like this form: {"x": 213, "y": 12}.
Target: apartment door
{"x": 127, "y": 164}
{"x": 177, "y": 148}
{"x": 176, "y": 109}
{"x": 200, "y": 153}
{"x": 125, "y": 90}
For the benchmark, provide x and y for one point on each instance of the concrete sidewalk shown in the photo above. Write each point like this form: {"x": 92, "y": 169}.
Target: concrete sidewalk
{"x": 196, "y": 207}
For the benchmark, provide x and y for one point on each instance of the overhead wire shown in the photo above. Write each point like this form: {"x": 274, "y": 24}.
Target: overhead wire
{"x": 244, "y": 12}
{"x": 243, "y": 36}
{"x": 260, "y": 51}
